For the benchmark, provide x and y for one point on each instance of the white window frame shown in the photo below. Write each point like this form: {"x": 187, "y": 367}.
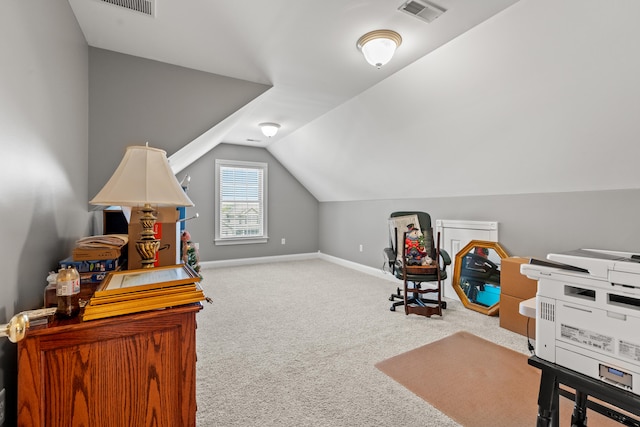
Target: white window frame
{"x": 219, "y": 240}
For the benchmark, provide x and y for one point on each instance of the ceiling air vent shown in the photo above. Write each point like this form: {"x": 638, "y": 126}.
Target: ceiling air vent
{"x": 422, "y": 10}
{"x": 143, "y": 6}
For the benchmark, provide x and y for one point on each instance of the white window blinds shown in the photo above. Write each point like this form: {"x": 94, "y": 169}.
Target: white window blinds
{"x": 241, "y": 201}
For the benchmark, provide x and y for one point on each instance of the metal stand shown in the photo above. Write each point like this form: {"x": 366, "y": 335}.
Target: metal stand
{"x": 548, "y": 397}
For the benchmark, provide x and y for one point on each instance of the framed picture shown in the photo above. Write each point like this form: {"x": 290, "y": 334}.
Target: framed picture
{"x": 136, "y": 302}
{"x": 121, "y": 282}
{"x": 397, "y": 226}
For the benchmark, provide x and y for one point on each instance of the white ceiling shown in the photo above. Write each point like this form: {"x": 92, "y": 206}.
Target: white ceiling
{"x": 306, "y": 50}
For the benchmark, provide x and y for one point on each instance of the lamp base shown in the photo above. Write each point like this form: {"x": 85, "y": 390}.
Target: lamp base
{"x": 147, "y": 250}
{"x": 148, "y": 245}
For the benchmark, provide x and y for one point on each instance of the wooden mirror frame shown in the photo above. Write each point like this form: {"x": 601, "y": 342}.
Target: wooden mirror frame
{"x": 455, "y": 281}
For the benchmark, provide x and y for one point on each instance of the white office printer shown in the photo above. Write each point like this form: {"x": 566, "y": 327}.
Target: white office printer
{"x": 588, "y": 313}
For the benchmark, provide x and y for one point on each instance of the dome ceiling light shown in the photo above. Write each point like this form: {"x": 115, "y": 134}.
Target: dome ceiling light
{"x": 379, "y": 46}
{"x": 269, "y": 129}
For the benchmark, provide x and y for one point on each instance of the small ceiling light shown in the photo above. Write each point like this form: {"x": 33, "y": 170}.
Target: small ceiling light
{"x": 269, "y": 129}
{"x": 379, "y": 46}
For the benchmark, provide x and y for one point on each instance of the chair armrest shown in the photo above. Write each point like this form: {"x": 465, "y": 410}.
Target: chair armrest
{"x": 390, "y": 255}
{"x": 390, "y": 259}
{"x": 446, "y": 259}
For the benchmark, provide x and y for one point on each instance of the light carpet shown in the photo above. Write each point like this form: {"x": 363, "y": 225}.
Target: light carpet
{"x": 296, "y": 343}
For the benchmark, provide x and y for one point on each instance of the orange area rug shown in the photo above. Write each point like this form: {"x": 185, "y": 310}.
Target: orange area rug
{"x": 477, "y": 383}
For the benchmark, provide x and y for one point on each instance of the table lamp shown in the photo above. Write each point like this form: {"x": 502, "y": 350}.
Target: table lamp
{"x": 144, "y": 179}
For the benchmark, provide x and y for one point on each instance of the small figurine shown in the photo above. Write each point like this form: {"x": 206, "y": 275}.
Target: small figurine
{"x": 190, "y": 255}
{"x": 414, "y": 247}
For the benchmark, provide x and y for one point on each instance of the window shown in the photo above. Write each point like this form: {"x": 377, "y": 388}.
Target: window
{"x": 241, "y": 196}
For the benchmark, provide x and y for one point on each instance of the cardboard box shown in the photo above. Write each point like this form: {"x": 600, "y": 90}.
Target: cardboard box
{"x": 514, "y": 288}
{"x": 513, "y": 283}
{"x": 166, "y": 230}
{"x": 511, "y": 319}
{"x": 96, "y": 254}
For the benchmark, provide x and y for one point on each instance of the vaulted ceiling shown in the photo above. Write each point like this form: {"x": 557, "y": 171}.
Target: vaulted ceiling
{"x": 305, "y": 50}
{"x": 493, "y": 97}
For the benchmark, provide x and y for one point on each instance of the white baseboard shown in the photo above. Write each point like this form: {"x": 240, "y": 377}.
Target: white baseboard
{"x": 297, "y": 257}
{"x": 377, "y": 272}
{"x": 258, "y": 260}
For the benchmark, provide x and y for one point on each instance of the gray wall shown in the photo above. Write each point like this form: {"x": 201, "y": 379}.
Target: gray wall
{"x": 43, "y": 140}
{"x": 529, "y": 224}
{"x": 135, "y": 100}
{"x": 292, "y": 210}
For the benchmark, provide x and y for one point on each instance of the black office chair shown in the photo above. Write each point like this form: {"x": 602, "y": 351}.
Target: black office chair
{"x": 399, "y": 262}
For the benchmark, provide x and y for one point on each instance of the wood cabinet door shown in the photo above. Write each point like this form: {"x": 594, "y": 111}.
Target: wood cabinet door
{"x": 125, "y": 371}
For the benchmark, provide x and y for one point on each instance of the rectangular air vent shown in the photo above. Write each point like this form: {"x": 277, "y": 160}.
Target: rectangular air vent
{"x": 547, "y": 311}
{"x": 422, "y": 10}
{"x": 143, "y": 6}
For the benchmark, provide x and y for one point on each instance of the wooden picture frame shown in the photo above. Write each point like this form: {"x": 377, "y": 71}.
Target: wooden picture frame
{"x": 489, "y": 267}
{"x": 128, "y": 281}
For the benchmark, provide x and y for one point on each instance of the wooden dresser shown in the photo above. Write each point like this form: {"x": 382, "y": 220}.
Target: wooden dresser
{"x": 133, "y": 370}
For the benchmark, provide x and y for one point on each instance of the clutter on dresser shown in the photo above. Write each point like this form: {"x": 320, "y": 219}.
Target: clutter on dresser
{"x": 132, "y": 291}
{"x": 68, "y": 293}
{"x": 92, "y": 273}
{"x": 100, "y": 247}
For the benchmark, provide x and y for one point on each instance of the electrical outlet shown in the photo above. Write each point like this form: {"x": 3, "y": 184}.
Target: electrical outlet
{"x": 283, "y": 241}
{"x": 3, "y": 405}
{"x": 360, "y": 248}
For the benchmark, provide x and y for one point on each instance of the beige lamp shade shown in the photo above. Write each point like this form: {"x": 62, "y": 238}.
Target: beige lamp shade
{"x": 143, "y": 177}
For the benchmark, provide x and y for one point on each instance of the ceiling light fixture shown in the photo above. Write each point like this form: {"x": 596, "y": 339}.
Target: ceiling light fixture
{"x": 269, "y": 129}
{"x": 379, "y": 46}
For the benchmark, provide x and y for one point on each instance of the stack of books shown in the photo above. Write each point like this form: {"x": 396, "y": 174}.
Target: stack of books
{"x": 92, "y": 271}
{"x": 132, "y": 291}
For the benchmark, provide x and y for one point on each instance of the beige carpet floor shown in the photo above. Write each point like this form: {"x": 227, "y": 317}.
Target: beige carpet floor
{"x": 296, "y": 343}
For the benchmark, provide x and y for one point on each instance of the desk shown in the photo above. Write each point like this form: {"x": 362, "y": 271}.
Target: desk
{"x": 553, "y": 375}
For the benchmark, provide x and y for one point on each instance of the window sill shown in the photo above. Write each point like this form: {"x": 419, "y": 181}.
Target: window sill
{"x": 241, "y": 241}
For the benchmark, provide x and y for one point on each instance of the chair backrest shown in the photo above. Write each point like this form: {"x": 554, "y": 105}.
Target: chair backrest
{"x": 425, "y": 226}
{"x": 423, "y": 217}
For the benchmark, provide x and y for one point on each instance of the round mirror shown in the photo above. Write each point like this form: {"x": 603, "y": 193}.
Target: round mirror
{"x": 476, "y": 276}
